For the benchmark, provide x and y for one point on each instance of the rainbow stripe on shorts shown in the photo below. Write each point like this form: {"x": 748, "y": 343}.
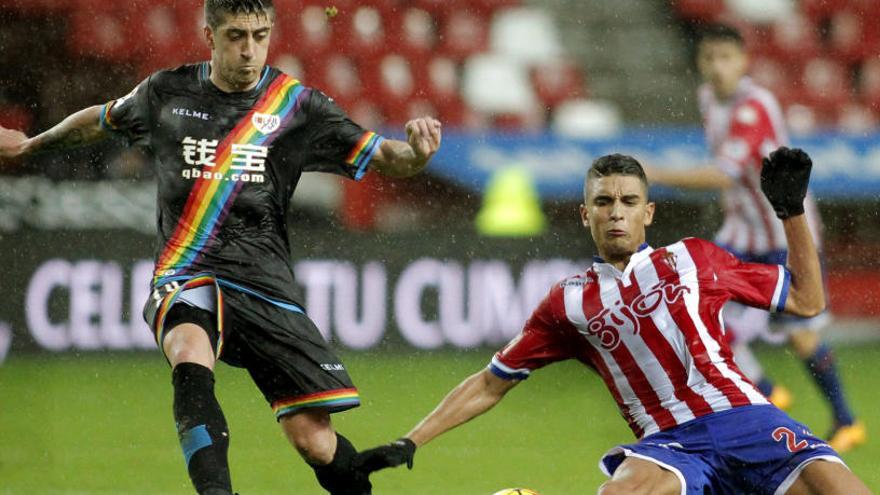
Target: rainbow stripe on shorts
{"x": 334, "y": 400}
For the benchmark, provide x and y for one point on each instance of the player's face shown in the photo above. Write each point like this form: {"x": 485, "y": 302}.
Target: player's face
{"x": 239, "y": 47}
{"x": 616, "y": 210}
{"x": 722, "y": 64}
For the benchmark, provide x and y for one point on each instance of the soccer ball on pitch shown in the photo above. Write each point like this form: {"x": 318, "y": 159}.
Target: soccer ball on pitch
{"x": 516, "y": 491}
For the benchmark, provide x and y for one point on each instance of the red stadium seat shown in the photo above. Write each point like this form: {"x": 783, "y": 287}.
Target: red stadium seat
{"x": 794, "y": 38}
{"x": 556, "y": 81}
{"x": 821, "y": 9}
{"x": 488, "y": 7}
{"x": 699, "y": 10}
{"x": 869, "y": 84}
{"x": 856, "y": 119}
{"x": 100, "y": 34}
{"x": 849, "y": 38}
{"x": 396, "y": 87}
{"x": 416, "y": 35}
{"x": 440, "y": 9}
{"x": 338, "y": 77}
{"x": 307, "y": 33}
{"x": 363, "y": 35}
{"x": 775, "y": 76}
{"x": 826, "y": 84}
{"x": 439, "y": 78}
{"x": 463, "y": 34}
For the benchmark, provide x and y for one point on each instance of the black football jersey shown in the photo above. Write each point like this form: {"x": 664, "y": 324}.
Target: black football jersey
{"x": 227, "y": 165}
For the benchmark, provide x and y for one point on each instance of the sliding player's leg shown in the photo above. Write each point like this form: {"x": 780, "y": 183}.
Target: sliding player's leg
{"x": 637, "y": 476}
{"x": 827, "y": 478}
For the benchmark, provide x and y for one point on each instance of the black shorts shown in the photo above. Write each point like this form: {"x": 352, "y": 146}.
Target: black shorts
{"x": 285, "y": 354}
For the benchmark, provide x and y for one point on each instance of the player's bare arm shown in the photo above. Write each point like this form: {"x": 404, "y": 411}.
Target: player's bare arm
{"x": 705, "y": 178}
{"x": 473, "y": 397}
{"x": 407, "y": 158}
{"x": 80, "y": 128}
{"x": 784, "y": 179}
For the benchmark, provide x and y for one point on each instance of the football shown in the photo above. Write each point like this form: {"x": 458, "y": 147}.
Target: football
{"x": 516, "y": 491}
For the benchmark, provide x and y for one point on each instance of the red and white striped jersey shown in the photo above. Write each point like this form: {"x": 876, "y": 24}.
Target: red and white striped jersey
{"x": 652, "y": 332}
{"x": 741, "y": 132}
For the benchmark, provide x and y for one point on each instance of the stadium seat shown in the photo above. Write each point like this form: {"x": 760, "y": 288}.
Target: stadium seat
{"x": 826, "y": 84}
{"x": 821, "y": 9}
{"x": 440, "y": 79}
{"x": 99, "y": 34}
{"x": 585, "y": 119}
{"x": 417, "y": 34}
{"x": 396, "y": 87}
{"x": 364, "y": 33}
{"x": 290, "y": 65}
{"x": 338, "y": 77}
{"x": 775, "y": 76}
{"x": 761, "y": 11}
{"x": 307, "y": 33}
{"x": 699, "y": 10}
{"x": 497, "y": 85}
{"x": 869, "y": 84}
{"x": 556, "y": 81}
{"x": 525, "y": 34}
{"x": 794, "y": 38}
{"x": 849, "y": 38}
{"x": 801, "y": 119}
{"x": 855, "y": 118}
{"x": 463, "y": 35}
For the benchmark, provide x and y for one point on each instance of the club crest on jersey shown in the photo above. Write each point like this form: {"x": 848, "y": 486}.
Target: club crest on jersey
{"x": 265, "y": 122}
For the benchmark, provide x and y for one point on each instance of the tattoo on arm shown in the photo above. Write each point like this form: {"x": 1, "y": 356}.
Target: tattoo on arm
{"x": 81, "y": 128}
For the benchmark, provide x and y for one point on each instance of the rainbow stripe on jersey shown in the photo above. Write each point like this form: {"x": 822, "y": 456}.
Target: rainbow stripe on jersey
{"x": 335, "y": 400}
{"x": 210, "y": 200}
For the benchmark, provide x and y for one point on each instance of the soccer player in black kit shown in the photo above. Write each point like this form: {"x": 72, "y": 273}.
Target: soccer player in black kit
{"x": 230, "y": 139}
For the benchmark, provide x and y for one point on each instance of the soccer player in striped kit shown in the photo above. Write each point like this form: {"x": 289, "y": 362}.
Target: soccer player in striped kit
{"x": 648, "y": 322}
{"x": 230, "y": 138}
{"x": 743, "y": 123}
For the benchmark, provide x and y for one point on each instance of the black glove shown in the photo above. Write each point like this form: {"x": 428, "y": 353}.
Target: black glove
{"x": 394, "y": 454}
{"x": 784, "y": 179}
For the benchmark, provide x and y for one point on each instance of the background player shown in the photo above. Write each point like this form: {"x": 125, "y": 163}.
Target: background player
{"x": 647, "y": 321}
{"x": 230, "y": 139}
{"x": 743, "y": 123}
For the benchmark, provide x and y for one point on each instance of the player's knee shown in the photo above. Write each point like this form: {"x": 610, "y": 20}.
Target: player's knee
{"x": 312, "y": 435}
{"x": 638, "y": 485}
{"x": 188, "y": 343}
{"x": 618, "y": 487}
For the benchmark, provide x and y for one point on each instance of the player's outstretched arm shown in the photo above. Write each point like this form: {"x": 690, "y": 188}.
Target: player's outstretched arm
{"x": 705, "y": 178}
{"x": 474, "y": 396}
{"x": 785, "y": 176}
{"x": 80, "y": 128}
{"x": 407, "y": 158}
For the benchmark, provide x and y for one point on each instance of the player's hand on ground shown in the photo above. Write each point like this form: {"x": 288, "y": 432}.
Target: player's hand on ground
{"x": 785, "y": 176}
{"x": 11, "y": 142}
{"x": 424, "y": 135}
{"x": 393, "y": 454}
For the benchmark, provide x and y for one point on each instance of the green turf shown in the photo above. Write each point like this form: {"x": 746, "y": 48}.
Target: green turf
{"x": 101, "y": 424}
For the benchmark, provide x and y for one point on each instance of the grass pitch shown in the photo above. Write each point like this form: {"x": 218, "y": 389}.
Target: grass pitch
{"x": 101, "y": 424}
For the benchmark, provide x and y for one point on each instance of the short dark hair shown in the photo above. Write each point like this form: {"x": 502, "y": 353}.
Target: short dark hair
{"x": 721, "y": 32}
{"x": 216, "y": 9}
{"x": 615, "y": 164}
